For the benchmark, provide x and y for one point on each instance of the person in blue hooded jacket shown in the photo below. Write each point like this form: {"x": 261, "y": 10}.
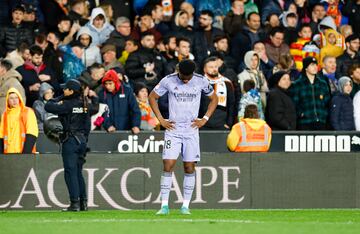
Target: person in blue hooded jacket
{"x": 124, "y": 112}
{"x": 341, "y": 108}
{"x": 73, "y": 66}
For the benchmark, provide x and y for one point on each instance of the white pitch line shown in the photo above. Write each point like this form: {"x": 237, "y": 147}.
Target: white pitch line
{"x": 165, "y": 220}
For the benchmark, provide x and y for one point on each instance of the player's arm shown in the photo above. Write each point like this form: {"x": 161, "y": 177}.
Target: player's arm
{"x": 210, "y": 110}
{"x": 153, "y": 101}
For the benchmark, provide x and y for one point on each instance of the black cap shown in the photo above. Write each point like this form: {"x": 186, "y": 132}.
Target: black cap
{"x": 307, "y": 61}
{"x": 275, "y": 78}
{"x": 29, "y": 8}
{"x": 187, "y": 67}
{"x": 72, "y": 85}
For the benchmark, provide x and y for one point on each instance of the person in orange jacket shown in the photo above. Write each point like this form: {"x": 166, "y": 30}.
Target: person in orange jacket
{"x": 251, "y": 134}
{"x": 18, "y": 128}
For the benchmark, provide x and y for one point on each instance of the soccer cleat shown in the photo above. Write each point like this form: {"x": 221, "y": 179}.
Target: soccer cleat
{"x": 163, "y": 211}
{"x": 185, "y": 211}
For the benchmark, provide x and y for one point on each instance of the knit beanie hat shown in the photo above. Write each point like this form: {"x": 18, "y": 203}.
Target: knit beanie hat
{"x": 275, "y": 78}
{"x": 307, "y": 61}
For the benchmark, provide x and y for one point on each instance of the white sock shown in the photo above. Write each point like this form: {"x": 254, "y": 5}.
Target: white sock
{"x": 165, "y": 184}
{"x": 189, "y": 184}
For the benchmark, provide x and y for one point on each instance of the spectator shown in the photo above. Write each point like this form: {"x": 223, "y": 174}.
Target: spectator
{"x": 157, "y": 14}
{"x": 204, "y": 36}
{"x": 349, "y": 57}
{"x": 266, "y": 65}
{"x": 181, "y": 26}
{"x": 341, "y": 107}
{"x": 34, "y": 73}
{"x": 271, "y": 6}
{"x": 100, "y": 29}
{"x": 124, "y": 113}
{"x": 92, "y": 76}
{"x": 19, "y": 56}
{"x": 66, "y": 29}
{"x": 53, "y": 56}
{"x": 351, "y": 10}
{"x": 253, "y": 72}
{"x": 78, "y": 9}
{"x": 328, "y": 73}
{"x": 109, "y": 12}
{"x": 123, "y": 8}
{"x": 251, "y": 96}
{"x": 120, "y": 35}
{"x": 146, "y": 65}
{"x": 234, "y": 20}
{"x": 46, "y": 93}
{"x": 31, "y": 20}
{"x": 148, "y": 118}
{"x": 244, "y": 40}
{"x": 221, "y": 44}
{"x": 302, "y": 11}
{"x": 170, "y": 46}
{"x": 280, "y": 109}
{"x": 331, "y": 45}
{"x": 286, "y": 63}
{"x": 250, "y": 7}
{"x": 289, "y": 21}
{"x": 276, "y": 46}
{"x": 146, "y": 25}
{"x": 189, "y": 9}
{"x": 108, "y": 52}
{"x": 257, "y": 137}
{"x": 72, "y": 63}
{"x": 9, "y": 77}
{"x": 296, "y": 48}
{"x": 223, "y": 117}
{"x": 182, "y": 51}
{"x": 18, "y": 128}
{"x": 130, "y": 46}
{"x": 15, "y": 33}
{"x": 317, "y": 15}
{"x": 311, "y": 96}
{"x": 91, "y": 53}
{"x": 53, "y": 11}
{"x": 272, "y": 21}
{"x": 346, "y": 30}
{"x": 354, "y": 72}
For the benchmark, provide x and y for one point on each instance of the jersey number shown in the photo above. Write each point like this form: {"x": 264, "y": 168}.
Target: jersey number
{"x": 168, "y": 144}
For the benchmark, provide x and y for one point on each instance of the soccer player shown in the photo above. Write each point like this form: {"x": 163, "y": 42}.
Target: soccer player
{"x": 184, "y": 90}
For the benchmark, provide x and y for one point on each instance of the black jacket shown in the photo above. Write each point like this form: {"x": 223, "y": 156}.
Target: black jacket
{"x": 12, "y": 35}
{"x": 135, "y": 69}
{"x": 72, "y": 114}
{"x": 344, "y": 62}
{"x": 280, "y": 110}
{"x": 53, "y": 60}
{"x": 342, "y": 113}
{"x": 201, "y": 47}
{"x": 76, "y": 17}
{"x": 118, "y": 40}
{"x": 30, "y": 77}
{"x": 352, "y": 10}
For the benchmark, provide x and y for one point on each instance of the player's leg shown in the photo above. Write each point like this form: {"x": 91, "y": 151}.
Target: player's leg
{"x": 191, "y": 155}
{"x": 172, "y": 148}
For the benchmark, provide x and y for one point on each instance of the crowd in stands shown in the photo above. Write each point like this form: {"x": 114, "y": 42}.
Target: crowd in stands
{"x": 297, "y": 61}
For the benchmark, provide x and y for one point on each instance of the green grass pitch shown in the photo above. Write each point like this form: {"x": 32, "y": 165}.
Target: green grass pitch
{"x": 327, "y": 221}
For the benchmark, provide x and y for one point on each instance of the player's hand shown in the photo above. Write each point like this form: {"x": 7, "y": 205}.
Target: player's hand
{"x": 167, "y": 124}
{"x": 198, "y": 123}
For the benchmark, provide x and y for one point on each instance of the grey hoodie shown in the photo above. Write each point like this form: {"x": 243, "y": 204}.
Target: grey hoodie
{"x": 342, "y": 82}
{"x": 328, "y": 21}
{"x": 91, "y": 53}
{"x": 39, "y": 106}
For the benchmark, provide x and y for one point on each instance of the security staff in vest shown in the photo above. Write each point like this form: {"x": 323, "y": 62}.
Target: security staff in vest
{"x": 74, "y": 117}
{"x": 251, "y": 134}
